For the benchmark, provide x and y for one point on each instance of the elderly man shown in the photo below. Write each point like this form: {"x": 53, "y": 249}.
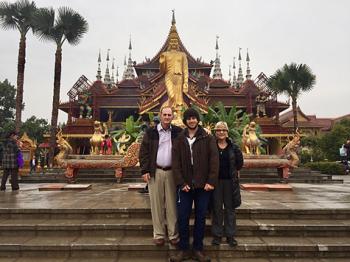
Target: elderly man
{"x": 155, "y": 161}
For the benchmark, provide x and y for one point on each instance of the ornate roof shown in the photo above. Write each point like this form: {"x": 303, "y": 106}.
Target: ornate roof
{"x": 154, "y": 62}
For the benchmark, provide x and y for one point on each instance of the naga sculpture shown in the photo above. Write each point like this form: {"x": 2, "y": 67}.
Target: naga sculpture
{"x": 250, "y": 141}
{"x": 97, "y": 138}
{"x": 64, "y": 147}
{"x": 290, "y": 150}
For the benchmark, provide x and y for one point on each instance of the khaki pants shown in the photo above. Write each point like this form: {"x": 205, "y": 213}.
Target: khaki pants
{"x": 162, "y": 193}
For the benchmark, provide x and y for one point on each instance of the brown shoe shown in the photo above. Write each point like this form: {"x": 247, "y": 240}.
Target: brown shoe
{"x": 199, "y": 256}
{"x": 159, "y": 241}
{"x": 180, "y": 256}
{"x": 174, "y": 241}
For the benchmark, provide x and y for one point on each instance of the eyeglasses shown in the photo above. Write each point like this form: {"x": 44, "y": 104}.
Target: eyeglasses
{"x": 167, "y": 115}
{"x": 220, "y": 130}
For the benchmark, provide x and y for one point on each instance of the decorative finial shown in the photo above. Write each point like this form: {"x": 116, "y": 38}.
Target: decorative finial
{"x": 108, "y": 55}
{"x": 173, "y": 21}
{"x": 129, "y": 69}
{"x": 248, "y": 75}
{"x": 107, "y": 78}
{"x": 112, "y": 78}
{"x": 240, "y": 78}
{"x": 217, "y": 74}
{"x": 99, "y": 76}
{"x": 234, "y": 79}
{"x": 130, "y": 47}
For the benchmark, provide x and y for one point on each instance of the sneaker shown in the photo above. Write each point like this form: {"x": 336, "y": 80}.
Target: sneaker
{"x": 231, "y": 241}
{"x": 216, "y": 241}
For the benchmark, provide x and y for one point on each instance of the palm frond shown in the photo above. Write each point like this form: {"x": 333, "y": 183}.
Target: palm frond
{"x": 18, "y": 15}
{"x": 74, "y": 26}
{"x": 44, "y": 24}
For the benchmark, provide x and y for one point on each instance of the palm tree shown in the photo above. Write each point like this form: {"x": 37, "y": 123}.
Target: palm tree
{"x": 68, "y": 26}
{"x": 292, "y": 80}
{"x": 18, "y": 16}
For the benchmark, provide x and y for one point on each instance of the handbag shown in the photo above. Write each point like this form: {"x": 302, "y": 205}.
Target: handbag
{"x": 237, "y": 199}
{"x": 20, "y": 161}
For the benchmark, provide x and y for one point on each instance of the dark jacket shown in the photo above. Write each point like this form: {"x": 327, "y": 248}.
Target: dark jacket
{"x": 149, "y": 148}
{"x": 205, "y": 160}
{"x": 236, "y": 159}
{"x": 10, "y": 153}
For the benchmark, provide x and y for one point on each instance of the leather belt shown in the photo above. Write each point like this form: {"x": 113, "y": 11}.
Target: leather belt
{"x": 164, "y": 168}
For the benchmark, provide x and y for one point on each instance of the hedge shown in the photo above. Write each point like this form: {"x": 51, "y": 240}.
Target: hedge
{"x": 331, "y": 168}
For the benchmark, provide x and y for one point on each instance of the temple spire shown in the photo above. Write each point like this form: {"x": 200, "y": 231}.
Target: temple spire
{"x": 217, "y": 74}
{"x": 112, "y": 78}
{"x": 99, "y": 76}
{"x": 234, "y": 79}
{"x": 229, "y": 74}
{"x": 129, "y": 71}
{"x": 240, "y": 78}
{"x": 248, "y": 76}
{"x": 107, "y": 79}
{"x": 173, "y": 21}
{"x": 117, "y": 76}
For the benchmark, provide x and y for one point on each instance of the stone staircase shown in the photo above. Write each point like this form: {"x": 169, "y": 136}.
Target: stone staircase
{"x": 126, "y": 235}
{"x": 132, "y": 175}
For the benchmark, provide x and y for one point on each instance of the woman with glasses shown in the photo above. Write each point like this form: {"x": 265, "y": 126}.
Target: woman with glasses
{"x": 231, "y": 161}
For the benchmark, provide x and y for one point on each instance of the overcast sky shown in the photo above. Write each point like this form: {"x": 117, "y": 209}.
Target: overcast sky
{"x": 314, "y": 32}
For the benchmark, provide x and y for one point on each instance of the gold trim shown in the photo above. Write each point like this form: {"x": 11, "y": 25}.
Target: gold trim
{"x": 118, "y": 107}
{"x": 278, "y": 135}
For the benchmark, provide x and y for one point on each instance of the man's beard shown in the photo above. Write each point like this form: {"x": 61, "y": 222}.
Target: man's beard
{"x": 192, "y": 128}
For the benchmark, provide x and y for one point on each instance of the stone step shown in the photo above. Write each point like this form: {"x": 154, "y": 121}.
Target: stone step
{"x": 145, "y": 213}
{"x": 141, "y": 226}
{"x": 138, "y": 246}
{"x": 314, "y": 181}
{"x": 155, "y": 258}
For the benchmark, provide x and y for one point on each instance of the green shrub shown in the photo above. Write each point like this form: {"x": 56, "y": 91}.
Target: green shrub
{"x": 331, "y": 168}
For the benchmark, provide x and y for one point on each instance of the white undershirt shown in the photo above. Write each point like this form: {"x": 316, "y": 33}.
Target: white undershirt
{"x": 190, "y": 142}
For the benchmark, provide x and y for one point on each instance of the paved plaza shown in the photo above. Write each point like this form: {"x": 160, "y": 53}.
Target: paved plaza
{"x": 110, "y": 223}
{"x": 111, "y": 196}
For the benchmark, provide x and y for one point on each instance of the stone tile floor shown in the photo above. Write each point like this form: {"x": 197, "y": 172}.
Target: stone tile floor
{"x": 109, "y": 196}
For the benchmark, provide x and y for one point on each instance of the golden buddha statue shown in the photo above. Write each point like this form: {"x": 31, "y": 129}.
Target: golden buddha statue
{"x": 174, "y": 65}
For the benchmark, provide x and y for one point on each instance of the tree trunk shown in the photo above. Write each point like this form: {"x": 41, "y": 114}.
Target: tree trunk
{"x": 20, "y": 80}
{"x": 295, "y": 114}
{"x": 55, "y": 104}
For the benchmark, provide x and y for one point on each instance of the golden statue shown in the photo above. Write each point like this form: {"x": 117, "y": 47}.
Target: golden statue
{"x": 174, "y": 65}
{"x": 65, "y": 148}
{"x": 250, "y": 141}
{"x": 291, "y": 149}
{"x": 100, "y": 131}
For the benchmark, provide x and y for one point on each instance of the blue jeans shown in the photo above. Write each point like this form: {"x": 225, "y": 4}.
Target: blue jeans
{"x": 184, "y": 202}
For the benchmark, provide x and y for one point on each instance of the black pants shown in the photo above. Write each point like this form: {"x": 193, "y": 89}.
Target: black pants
{"x": 13, "y": 172}
{"x": 223, "y": 213}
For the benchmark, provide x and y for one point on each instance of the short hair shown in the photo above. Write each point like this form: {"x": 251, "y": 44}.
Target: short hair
{"x": 165, "y": 106}
{"x": 221, "y": 124}
{"x": 190, "y": 112}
